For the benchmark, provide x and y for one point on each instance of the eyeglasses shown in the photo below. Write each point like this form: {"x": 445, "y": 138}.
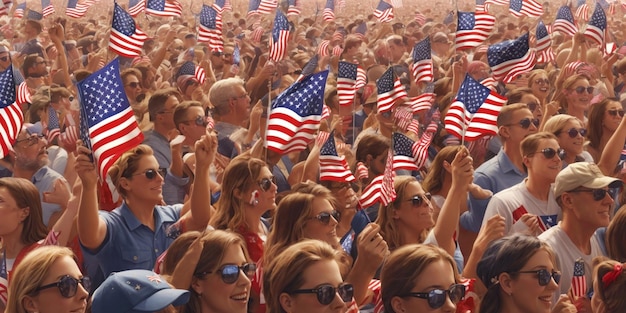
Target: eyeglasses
{"x": 542, "y": 81}
{"x": 326, "y": 293}
{"x": 532, "y": 106}
{"x": 68, "y": 285}
{"x": 543, "y": 276}
{"x": 598, "y": 194}
{"x": 341, "y": 186}
{"x": 150, "y": 174}
{"x": 525, "y": 123}
{"x": 437, "y": 297}
{"x": 580, "y": 90}
{"x": 419, "y": 200}
{"x": 133, "y": 85}
{"x": 230, "y": 272}
{"x": 217, "y": 54}
{"x": 549, "y": 153}
{"x": 573, "y": 132}
{"x": 199, "y": 121}
{"x": 615, "y": 112}
{"x": 4, "y": 58}
{"x": 266, "y": 183}
{"x": 31, "y": 140}
{"x": 324, "y": 217}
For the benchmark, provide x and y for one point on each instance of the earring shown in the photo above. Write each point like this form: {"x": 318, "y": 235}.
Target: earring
{"x": 255, "y": 202}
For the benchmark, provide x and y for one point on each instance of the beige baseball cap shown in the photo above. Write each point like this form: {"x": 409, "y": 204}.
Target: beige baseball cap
{"x": 582, "y": 174}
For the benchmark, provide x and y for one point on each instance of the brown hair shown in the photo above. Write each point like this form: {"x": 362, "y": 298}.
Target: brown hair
{"x": 127, "y": 164}
{"x": 433, "y": 182}
{"x": 158, "y": 99}
{"x": 26, "y": 195}
{"x": 616, "y": 236}
{"x": 595, "y": 121}
{"x": 180, "y": 112}
{"x": 611, "y": 294}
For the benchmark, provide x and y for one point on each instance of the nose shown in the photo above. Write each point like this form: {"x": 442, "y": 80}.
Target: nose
{"x": 81, "y": 293}
{"x": 244, "y": 281}
{"x": 448, "y": 306}
{"x": 338, "y": 305}
{"x": 532, "y": 127}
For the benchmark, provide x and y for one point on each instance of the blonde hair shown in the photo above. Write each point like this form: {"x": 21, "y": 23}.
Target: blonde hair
{"x": 30, "y": 273}
{"x": 556, "y": 123}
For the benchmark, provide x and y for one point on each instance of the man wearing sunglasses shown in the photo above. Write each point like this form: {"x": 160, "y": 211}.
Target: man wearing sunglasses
{"x": 232, "y": 110}
{"x": 582, "y": 192}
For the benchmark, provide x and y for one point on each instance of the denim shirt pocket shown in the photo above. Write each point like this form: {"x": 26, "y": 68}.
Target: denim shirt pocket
{"x": 137, "y": 258}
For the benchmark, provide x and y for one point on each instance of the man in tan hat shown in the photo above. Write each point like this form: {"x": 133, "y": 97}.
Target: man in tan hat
{"x": 582, "y": 192}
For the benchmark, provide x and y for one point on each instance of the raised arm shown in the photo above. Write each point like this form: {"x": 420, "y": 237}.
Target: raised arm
{"x": 91, "y": 228}
{"x": 612, "y": 150}
{"x": 199, "y": 209}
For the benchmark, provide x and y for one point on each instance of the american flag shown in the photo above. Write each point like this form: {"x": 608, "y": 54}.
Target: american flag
{"x": 257, "y": 34}
{"x": 422, "y": 61}
{"x": 489, "y": 82}
{"x": 253, "y": 8}
{"x": 404, "y": 149}
{"x": 473, "y": 29}
{"x": 339, "y": 34}
{"x": 582, "y": 12}
{"x": 480, "y": 6}
{"x": 4, "y": 282}
{"x": 19, "y": 10}
{"x": 609, "y": 49}
{"x": 34, "y": 15}
{"x": 325, "y": 112}
{"x": 190, "y": 68}
{"x": 346, "y": 81}
{"x": 329, "y": 11}
{"x": 113, "y": 128}
{"x": 564, "y": 21}
{"x": 136, "y": 6}
{"x": 423, "y": 102}
{"x": 267, "y": 6}
{"x": 164, "y": 8}
{"x": 11, "y": 116}
{"x": 388, "y": 192}
{"x": 474, "y": 111}
{"x": 596, "y": 26}
{"x": 296, "y": 113}
{"x": 337, "y": 50}
{"x": 511, "y": 58}
{"x": 47, "y": 8}
{"x": 420, "y": 18}
{"x": 361, "y": 171}
{"x": 322, "y": 49}
{"x": 361, "y": 30}
{"x": 384, "y": 12}
{"x": 210, "y": 28}
{"x": 219, "y": 5}
{"x": 280, "y": 37}
{"x": 530, "y": 8}
{"x": 543, "y": 44}
{"x": 53, "y": 128}
{"x": 294, "y": 8}
{"x": 126, "y": 38}
{"x": 572, "y": 67}
{"x": 332, "y": 166}
{"x": 390, "y": 89}
{"x": 579, "y": 281}
{"x": 402, "y": 117}
{"x": 75, "y": 9}
{"x": 488, "y": 3}
{"x": 69, "y": 136}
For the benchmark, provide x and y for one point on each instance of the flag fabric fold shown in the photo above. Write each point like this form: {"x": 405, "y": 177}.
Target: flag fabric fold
{"x": 596, "y": 26}
{"x": 390, "y": 89}
{"x": 543, "y": 44}
{"x": 11, "y": 115}
{"x": 126, "y": 38}
{"x": 136, "y": 6}
{"x": 564, "y": 21}
{"x": 530, "y": 8}
{"x": 329, "y": 11}
{"x": 164, "y": 8}
{"x": 346, "y": 82}
{"x": 511, "y": 58}
{"x": 422, "y": 61}
{"x": 280, "y": 37}
{"x": 47, "y": 8}
{"x": 473, "y": 29}
{"x": 384, "y": 12}
{"x": 210, "y": 28}
{"x": 332, "y": 166}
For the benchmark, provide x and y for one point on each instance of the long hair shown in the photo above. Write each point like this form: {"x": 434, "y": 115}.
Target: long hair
{"x": 567, "y": 84}
{"x": 404, "y": 266}
{"x": 596, "y": 120}
{"x": 240, "y": 175}
{"x": 26, "y": 195}
{"x": 616, "y": 236}
{"x": 611, "y": 293}
{"x": 433, "y": 182}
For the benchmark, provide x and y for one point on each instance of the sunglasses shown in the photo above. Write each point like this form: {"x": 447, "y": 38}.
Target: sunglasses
{"x": 532, "y": 106}
{"x": 598, "y": 194}
{"x": 437, "y": 297}
{"x": 133, "y": 85}
{"x": 580, "y": 90}
{"x": 386, "y": 114}
{"x": 230, "y": 272}
{"x": 343, "y": 186}
{"x": 616, "y": 112}
{"x": 544, "y": 277}
{"x": 419, "y": 200}
{"x": 326, "y": 293}
{"x": 542, "y": 81}
{"x": 68, "y": 285}
{"x": 150, "y": 174}
{"x": 324, "y": 217}
{"x": 199, "y": 121}
{"x": 549, "y": 153}
{"x": 525, "y": 123}
{"x": 266, "y": 183}
{"x": 573, "y": 132}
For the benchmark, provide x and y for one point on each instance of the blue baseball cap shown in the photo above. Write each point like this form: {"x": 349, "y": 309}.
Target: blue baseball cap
{"x": 136, "y": 291}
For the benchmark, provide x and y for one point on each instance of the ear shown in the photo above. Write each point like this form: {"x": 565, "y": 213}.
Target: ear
{"x": 395, "y": 214}
{"x": 397, "y": 304}
{"x": 196, "y": 286}
{"x": 526, "y": 161}
{"x": 447, "y": 166}
{"x": 503, "y": 131}
{"x": 237, "y": 193}
{"x": 506, "y": 283}
{"x": 286, "y": 302}
{"x": 25, "y": 213}
{"x": 30, "y": 304}
{"x": 124, "y": 183}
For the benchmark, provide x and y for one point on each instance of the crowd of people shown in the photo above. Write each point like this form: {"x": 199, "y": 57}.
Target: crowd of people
{"x": 202, "y": 217}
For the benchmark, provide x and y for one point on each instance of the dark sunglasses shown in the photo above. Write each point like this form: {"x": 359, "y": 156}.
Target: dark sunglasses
{"x": 326, "y": 293}
{"x": 598, "y": 194}
{"x": 4, "y": 58}
{"x": 133, "y": 85}
{"x": 615, "y": 112}
{"x": 230, "y": 272}
{"x": 324, "y": 217}
{"x": 386, "y": 114}
{"x": 532, "y": 106}
{"x": 199, "y": 121}
{"x": 419, "y": 200}
{"x": 437, "y": 297}
{"x": 150, "y": 174}
{"x": 543, "y": 276}
{"x": 542, "y": 81}
{"x": 573, "y": 132}
{"x": 68, "y": 285}
{"x": 525, "y": 123}
{"x": 579, "y": 90}
{"x": 266, "y": 183}
{"x": 549, "y": 153}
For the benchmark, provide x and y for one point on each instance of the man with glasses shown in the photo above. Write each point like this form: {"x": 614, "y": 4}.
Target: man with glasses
{"x": 232, "y": 112}
{"x": 30, "y": 161}
{"x": 34, "y": 69}
{"x": 582, "y": 192}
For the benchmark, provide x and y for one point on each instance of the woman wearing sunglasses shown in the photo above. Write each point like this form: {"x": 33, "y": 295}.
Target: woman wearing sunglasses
{"x": 539, "y": 84}
{"x": 420, "y": 278}
{"x": 48, "y": 281}
{"x": 215, "y": 267}
{"x": 520, "y": 275}
{"x": 248, "y": 191}
{"x": 570, "y": 133}
{"x": 604, "y": 118}
{"x": 306, "y": 277}
{"x": 575, "y": 96}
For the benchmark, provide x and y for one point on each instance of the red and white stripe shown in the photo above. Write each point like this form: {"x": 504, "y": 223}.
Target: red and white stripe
{"x": 422, "y": 102}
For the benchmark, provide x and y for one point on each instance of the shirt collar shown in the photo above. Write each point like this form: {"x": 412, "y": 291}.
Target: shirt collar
{"x": 506, "y": 164}
{"x": 39, "y": 174}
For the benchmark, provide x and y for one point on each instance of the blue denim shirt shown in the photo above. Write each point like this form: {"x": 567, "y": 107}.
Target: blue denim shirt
{"x": 131, "y": 245}
{"x": 496, "y": 174}
{"x": 44, "y": 180}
